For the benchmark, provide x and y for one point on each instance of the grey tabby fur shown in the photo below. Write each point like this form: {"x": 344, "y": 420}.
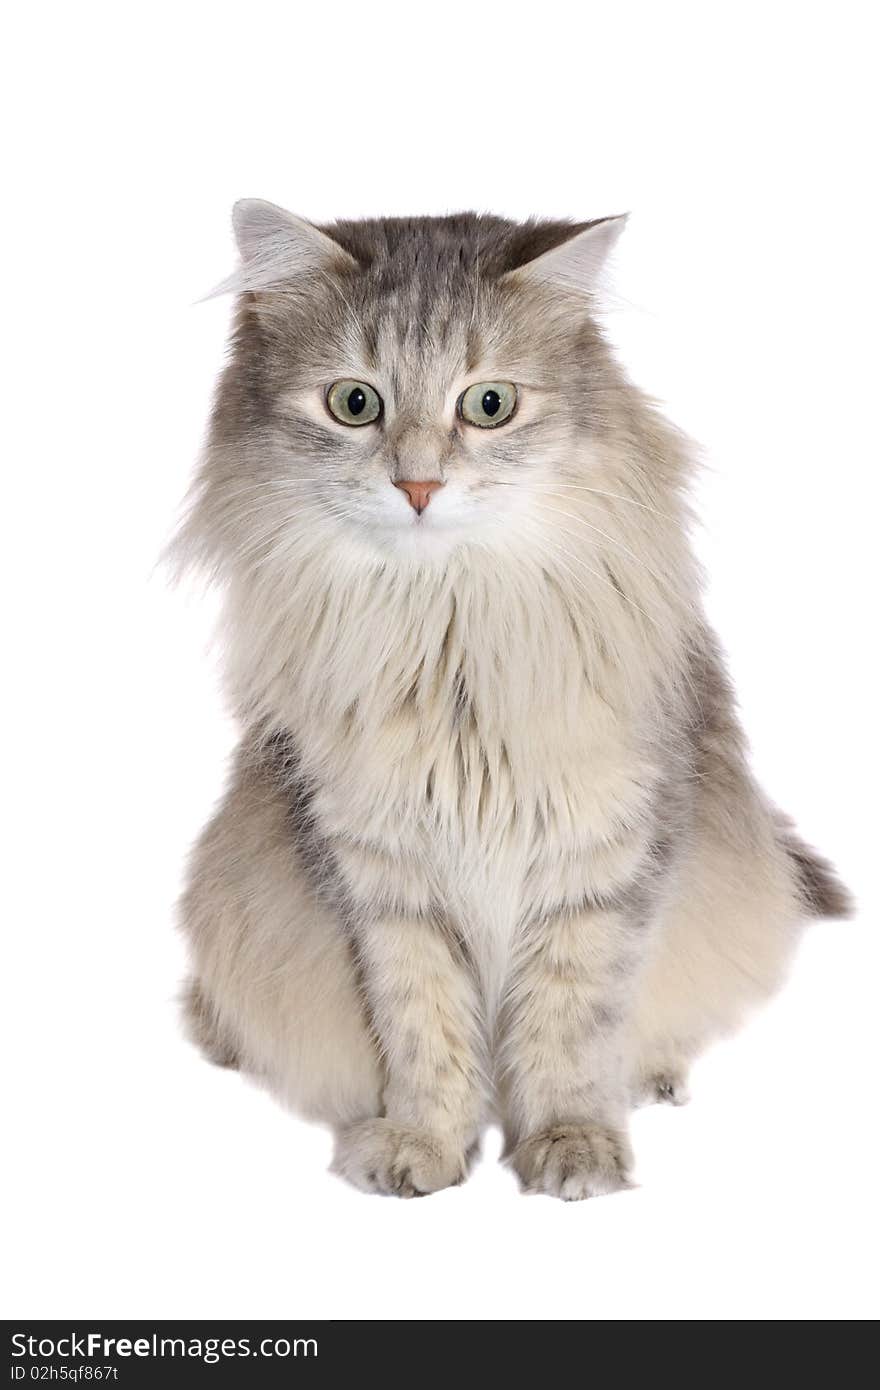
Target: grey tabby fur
{"x": 491, "y": 847}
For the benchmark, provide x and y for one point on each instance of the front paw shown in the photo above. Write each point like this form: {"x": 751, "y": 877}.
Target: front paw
{"x": 381, "y": 1156}
{"x": 574, "y": 1161}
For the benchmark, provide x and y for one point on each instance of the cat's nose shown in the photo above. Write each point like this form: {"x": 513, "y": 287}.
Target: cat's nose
{"x": 419, "y": 494}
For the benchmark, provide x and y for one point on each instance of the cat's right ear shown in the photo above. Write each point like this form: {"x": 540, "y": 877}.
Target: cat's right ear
{"x": 575, "y": 262}
{"x": 277, "y": 248}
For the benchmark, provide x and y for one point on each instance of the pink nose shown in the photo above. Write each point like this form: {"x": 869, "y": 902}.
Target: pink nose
{"x": 419, "y": 494}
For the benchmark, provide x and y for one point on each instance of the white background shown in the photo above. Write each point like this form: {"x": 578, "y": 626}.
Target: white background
{"x": 141, "y": 1181}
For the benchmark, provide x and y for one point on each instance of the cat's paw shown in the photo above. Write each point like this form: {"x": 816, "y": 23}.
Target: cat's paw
{"x": 381, "y": 1156}
{"x": 574, "y": 1161}
{"x": 665, "y": 1087}
{"x": 669, "y": 1089}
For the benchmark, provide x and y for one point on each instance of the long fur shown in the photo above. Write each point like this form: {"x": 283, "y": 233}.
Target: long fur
{"x": 492, "y": 845}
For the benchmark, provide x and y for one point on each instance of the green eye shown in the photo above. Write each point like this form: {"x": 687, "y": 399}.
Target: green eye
{"x": 354, "y": 403}
{"x": 488, "y": 404}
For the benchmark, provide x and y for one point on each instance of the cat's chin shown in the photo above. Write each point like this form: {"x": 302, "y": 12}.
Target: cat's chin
{"x": 419, "y": 541}
{"x": 426, "y": 539}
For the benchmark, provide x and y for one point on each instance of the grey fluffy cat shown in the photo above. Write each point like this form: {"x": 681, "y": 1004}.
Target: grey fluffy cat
{"x": 491, "y": 848}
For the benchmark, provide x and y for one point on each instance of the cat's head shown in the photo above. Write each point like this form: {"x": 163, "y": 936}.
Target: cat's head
{"x": 408, "y": 385}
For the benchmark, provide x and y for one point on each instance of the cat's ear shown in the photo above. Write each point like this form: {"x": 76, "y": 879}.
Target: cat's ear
{"x": 577, "y": 262}
{"x": 277, "y": 247}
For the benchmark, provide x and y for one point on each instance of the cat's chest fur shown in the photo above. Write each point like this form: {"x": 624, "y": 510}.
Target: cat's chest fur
{"x": 466, "y": 750}
{"x": 489, "y": 825}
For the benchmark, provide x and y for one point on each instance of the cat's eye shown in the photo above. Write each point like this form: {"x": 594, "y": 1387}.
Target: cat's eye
{"x": 354, "y": 403}
{"x": 488, "y": 404}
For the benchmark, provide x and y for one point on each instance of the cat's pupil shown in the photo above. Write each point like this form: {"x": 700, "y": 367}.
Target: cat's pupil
{"x": 356, "y": 401}
{"x": 491, "y": 403}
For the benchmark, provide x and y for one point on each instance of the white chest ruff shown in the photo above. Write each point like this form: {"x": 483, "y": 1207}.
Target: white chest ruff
{"x": 479, "y": 826}
{"x": 469, "y": 739}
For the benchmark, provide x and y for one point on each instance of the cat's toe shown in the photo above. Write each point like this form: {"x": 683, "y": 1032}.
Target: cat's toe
{"x": 667, "y": 1086}
{"x": 670, "y": 1090}
{"x": 574, "y": 1161}
{"x": 396, "y": 1160}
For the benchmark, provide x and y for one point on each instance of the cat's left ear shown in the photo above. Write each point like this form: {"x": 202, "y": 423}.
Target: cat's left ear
{"x": 276, "y": 248}
{"x": 577, "y": 263}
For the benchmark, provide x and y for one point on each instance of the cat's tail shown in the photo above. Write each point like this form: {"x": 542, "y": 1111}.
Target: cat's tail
{"x": 820, "y": 890}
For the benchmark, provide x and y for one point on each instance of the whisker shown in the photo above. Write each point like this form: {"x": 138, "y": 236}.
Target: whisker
{"x": 558, "y": 511}
{"x": 599, "y": 492}
{"x": 602, "y": 579}
{"x": 685, "y": 675}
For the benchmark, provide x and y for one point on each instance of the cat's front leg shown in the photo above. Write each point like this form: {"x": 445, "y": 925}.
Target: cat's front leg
{"x": 425, "y": 1014}
{"x": 563, "y": 1078}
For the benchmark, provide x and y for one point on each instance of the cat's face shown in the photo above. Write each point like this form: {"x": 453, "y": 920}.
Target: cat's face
{"x": 414, "y": 385}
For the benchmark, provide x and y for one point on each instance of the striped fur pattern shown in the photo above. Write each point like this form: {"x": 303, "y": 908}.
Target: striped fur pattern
{"x": 491, "y": 848}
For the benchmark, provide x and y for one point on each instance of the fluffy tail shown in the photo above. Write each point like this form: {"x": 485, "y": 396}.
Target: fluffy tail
{"x": 820, "y": 890}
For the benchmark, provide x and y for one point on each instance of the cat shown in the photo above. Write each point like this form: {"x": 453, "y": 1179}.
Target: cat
{"x": 491, "y": 849}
